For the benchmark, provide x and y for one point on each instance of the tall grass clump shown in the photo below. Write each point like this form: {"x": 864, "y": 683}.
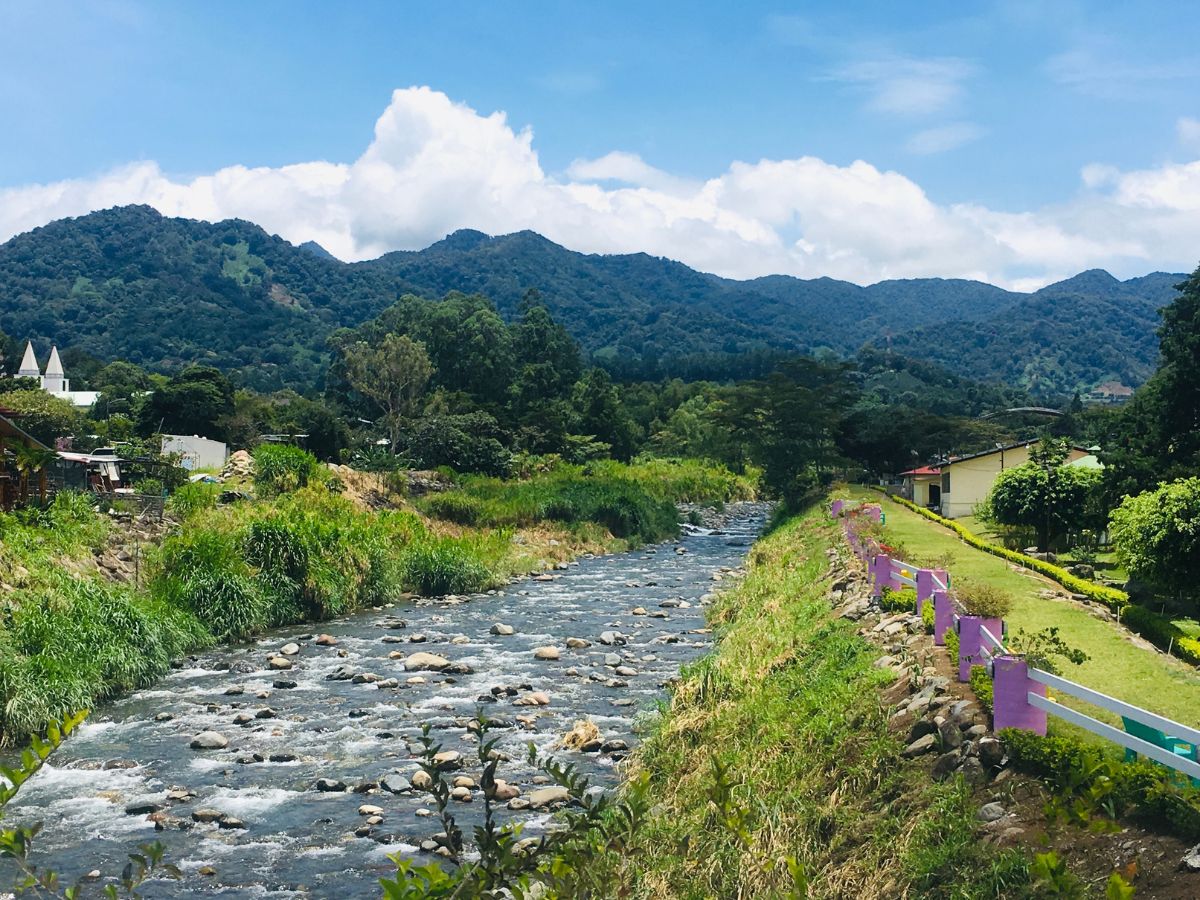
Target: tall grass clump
{"x": 436, "y": 566}
{"x": 80, "y": 641}
{"x": 193, "y": 498}
{"x": 281, "y": 468}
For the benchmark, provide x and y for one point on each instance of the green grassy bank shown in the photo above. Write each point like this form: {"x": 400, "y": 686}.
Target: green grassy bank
{"x": 1117, "y": 666}
{"x": 772, "y": 772}
{"x": 305, "y": 550}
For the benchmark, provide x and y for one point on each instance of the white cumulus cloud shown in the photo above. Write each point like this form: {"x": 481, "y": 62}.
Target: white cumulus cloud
{"x": 434, "y": 166}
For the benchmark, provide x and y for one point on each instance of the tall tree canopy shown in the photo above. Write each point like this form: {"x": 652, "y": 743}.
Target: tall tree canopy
{"x": 196, "y": 401}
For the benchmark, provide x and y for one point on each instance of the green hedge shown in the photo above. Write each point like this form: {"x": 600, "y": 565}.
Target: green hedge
{"x": 1157, "y": 629}
{"x": 1152, "y": 792}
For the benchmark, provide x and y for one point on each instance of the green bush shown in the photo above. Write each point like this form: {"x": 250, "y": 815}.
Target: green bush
{"x": 1152, "y": 792}
{"x": 952, "y": 645}
{"x": 1157, "y": 537}
{"x": 1161, "y": 631}
{"x": 438, "y": 566}
{"x": 927, "y": 616}
{"x": 191, "y": 499}
{"x": 982, "y": 599}
{"x": 898, "y": 601}
{"x": 280, "y": 468}
{"x": 454, "y": 506}
{"x": 981, "y": 684}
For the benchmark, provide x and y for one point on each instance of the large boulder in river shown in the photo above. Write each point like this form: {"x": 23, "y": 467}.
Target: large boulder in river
{"x": 548, "y": 653}
{"x": 209, "y": 740}
{"x": 545, "y": 798}
{"x": 421, "y": 662}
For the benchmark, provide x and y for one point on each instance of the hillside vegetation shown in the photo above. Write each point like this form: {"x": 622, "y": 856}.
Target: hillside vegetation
{"x": 127, "y": 283}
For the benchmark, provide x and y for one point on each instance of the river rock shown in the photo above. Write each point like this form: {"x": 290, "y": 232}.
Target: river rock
{"x": 144, "y": 805}
{"x": 207, "y": 815}
{"x": 236, "y": 691}
{"x": 289, "y": 649}
{"x": 448, "y": 760}
{"x": 501, "y": 629}
{"x": 279, "y": 663}
{"x": 545, "y": 798}
{"x": 431, "y": 662}
{"x": 421, "y": 780}
{"x": 626, "y": 671}
{"x": 533, "y": 698}
{"x": 546, "y": 653}
{"x": 638, "y": 611}
{"x": 612, "y": 659}
{"x": 577, "y": 643}
{"x": 282, "y": 757}
{"x": 243, "y": 718}
{"x": 209, "y": 740}
{"x": 616, "y": 745}
{"x": 266, "y": 713}
{"x": 461, "y": 794}
{"x": 283, "y": 684}
{"x": 503, "y": 791}
{"x": 230, "y": 823}
{"x": 341, "y": 673}
{"x": 163, "y": 717}
{"x": 330, "y": 785}
{"x": 368, "y": 810}
{"x": 395, "y": 783}
{"x": 326, "y": 640}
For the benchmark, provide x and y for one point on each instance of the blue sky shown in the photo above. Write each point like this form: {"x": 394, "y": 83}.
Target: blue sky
{"x": 1013, "y": 109}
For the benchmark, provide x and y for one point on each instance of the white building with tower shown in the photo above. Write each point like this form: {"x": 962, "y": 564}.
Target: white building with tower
{"x": 54, "y": 380}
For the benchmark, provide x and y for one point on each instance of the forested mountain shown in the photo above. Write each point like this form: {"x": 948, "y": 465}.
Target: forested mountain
{"x": 1079, "y": 332}
{"x": 130, "y": 283}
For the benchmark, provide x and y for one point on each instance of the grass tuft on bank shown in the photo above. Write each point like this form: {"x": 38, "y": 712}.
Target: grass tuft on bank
{"x": 772, "y": 770}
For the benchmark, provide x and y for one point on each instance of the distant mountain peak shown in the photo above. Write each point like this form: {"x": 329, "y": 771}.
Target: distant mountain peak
{"x": 461, "y": 240}
{"x": 317, "y": 250}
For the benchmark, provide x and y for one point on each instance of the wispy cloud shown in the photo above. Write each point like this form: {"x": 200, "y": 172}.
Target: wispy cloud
{"x": 1099, "y": 69}
{"x": 907, "y": 86}
{"x": 571, "y": 82}
{"x": 1188, "y": 131}
{"x": 943, "y": 138}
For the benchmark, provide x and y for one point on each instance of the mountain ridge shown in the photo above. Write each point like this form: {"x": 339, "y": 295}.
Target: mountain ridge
{"x": 165, "y": 292}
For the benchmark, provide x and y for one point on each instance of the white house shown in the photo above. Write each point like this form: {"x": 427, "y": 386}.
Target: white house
{"x": 196, "y": 452}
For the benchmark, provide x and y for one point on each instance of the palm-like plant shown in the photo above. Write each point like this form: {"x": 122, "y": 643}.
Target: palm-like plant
{"x": 32, "y": 461}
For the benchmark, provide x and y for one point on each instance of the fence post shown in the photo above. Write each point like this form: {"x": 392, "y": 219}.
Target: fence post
{"x": 970, "y": 641}
{"x": 875, "y": 512}
{"x": 835, "y": 508}
{"x": 1011, "y": 686}
{"x": 943, "y": 617}
{"x": 881, "y": 573}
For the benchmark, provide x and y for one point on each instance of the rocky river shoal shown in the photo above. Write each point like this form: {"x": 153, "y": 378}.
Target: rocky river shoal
{"x": 269, "y": 804}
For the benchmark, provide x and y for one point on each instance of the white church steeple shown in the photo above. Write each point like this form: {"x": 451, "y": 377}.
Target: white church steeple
{"x": 54, "y": 380}
{"x": 29, "y": 364}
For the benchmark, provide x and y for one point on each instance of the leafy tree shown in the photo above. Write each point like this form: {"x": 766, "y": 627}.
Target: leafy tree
{"x": 328, "y": 434}
{"x": 196, "y": 401}
{"x": 466, "y": 443}
{"x": 120, "y": 383}
{"x": 393, "y": 374}
{"x": 1157, "y": 534}
{"x": 1046, "y": 495}
{"x": 1158, "y": 435}
{"x": 42, "y": 415}
{"x": 599, "y": 413}
{"x": 788, "y": 423}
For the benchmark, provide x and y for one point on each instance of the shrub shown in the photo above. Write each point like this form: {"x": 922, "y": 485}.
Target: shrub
{"x": 981, "y": 684}
{"x": 983, "y": 599}
{"x": 1157, "y": 535}
{"x": 952, "y": 645}
{"x": 1161, "y": 631}
{"x": 1083, "y": 770}
{"x": 280, "y": 468}
{"x": 191, "y": 499}
{"x": 454, "y": 506}
{"x": 927, "y": 617}
{"x": 898, "y": 601}
{"x": 438, "y": 566}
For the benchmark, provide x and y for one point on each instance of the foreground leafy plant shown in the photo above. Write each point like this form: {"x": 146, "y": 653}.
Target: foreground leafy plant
{"x": 16, "y": 843}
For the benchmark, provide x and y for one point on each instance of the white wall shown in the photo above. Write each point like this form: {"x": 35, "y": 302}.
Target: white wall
{"x": 197, "y": 452}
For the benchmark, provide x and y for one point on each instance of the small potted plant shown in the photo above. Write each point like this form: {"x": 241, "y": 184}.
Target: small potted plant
{"x": 986, "y": 606}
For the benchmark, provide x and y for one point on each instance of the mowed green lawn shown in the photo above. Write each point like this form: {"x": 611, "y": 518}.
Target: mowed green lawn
{"x": 1117, "y": 667}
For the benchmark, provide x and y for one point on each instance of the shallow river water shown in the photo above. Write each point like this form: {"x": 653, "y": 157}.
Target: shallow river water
{"x": 298, "y": 841}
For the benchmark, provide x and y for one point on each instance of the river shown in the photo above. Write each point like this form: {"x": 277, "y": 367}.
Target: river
{"x": 94, "y": 795}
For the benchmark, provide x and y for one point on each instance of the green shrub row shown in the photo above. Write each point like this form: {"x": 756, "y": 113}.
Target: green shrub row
{"x": 904, "y": 600}
{"x": 1157, "y": 629}
{"x": 1151, "y": 792}
{"x": 1162, "y": 632}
